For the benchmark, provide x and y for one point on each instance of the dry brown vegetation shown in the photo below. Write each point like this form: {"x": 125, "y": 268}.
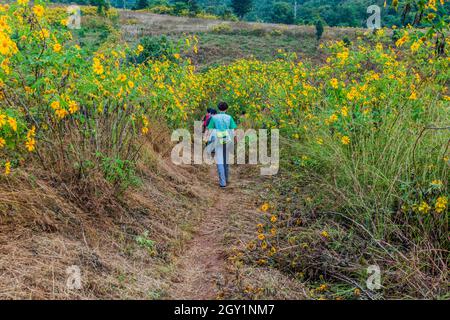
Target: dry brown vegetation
{"x": 138, "y": 24}
{"x": 47, "y": 225}
{"x": 199, "y": 232}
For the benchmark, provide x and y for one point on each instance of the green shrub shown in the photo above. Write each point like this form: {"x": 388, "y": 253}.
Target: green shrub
{"x": 222, "y": 28}
{"x": 119, "y": 172}
{"x": 156, "y": 48}
{"x": 146, "y": 243}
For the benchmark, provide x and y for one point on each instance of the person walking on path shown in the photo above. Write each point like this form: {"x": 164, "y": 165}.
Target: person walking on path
{"x": 223, "y": 126}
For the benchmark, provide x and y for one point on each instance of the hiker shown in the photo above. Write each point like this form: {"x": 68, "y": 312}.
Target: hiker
{"x": 222, "y": 126}
{"x": 207, "y": 136}
{"x": 207, "y": 118}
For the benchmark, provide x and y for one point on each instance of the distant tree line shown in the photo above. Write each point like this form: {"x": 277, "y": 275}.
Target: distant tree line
{"x": 345, "y": 13}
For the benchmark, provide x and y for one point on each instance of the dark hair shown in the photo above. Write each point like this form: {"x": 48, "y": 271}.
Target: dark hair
{"x": 223, "y": 106}
{"x": 210, "y": 110}
{"x": 213, "y": 111}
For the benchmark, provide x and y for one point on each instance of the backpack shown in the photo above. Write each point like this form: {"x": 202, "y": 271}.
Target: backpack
{"x": 206, "y": 120}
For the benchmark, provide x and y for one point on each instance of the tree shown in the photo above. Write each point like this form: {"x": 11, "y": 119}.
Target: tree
{"x": 141, "y": 4}
{"x": 319, "y": 29}
{"x": 283, "y": 12}
{"x": 102, "y": 6}
{"x": 193, "y": 6}
{"x": 241, "y": 7}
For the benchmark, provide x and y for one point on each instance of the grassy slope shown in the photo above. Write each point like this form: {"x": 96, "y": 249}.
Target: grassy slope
{"x": 223, "y": 42}
{"x": 47, "y": 227}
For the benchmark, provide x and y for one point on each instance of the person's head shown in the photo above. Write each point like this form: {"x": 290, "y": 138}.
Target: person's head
{"x": 210, "y": 110}
{"x": 213, "y": 112}
{"x": 223, "y": 106}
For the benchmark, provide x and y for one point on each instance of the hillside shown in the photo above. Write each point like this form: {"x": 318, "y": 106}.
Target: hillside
{"x": 223, "y": 42}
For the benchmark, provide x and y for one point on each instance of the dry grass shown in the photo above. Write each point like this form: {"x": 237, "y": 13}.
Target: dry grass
{"x": 44, "y": 229}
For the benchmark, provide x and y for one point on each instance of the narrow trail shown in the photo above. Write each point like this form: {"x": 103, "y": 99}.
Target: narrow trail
{"x": 201, "y": 270}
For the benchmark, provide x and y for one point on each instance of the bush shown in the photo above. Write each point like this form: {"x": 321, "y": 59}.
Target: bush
{"x": 222, "y": 28}
{"x": 319, "y": 29}
{"x": 156, "y": 48}
{"x": 162, "y": 10}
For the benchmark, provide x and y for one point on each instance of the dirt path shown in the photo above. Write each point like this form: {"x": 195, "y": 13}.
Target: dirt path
{"x": 201, "y": 270}
{"x": 205, "y": 271}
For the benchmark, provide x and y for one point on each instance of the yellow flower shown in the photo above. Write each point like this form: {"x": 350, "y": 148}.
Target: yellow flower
{"x": 4, "y": 24}
{"x": 441, "y": 204}
{"x": 334, "y": 83}
{"x": 400, "y": 42}
{"x": 424, "y": 207}
{"x": 261, "y": 262}
{"x": 97, "y": 67}
{"x": 322, "y": 288}
{"x": 261, "y": 236}
{"x": 273, "y": 231}
{"x": 131, "y": 84}
{"x": 57, "y": 47}
{"x": 61, "y": 113}
{"x": 22, "y": 2}
{"x": 139, "y": 49}
{"x": 73, "y": 107}
{"x": 12, "y": 123}
{"x": 273, "y": 219}
{"x": 436, "y": 183}
{"x": 44, "y": 34}
{"x": 30, "y": 144}
{"x": 344, "y": 111}
{"x": 122, "y": 78}
{"x": 352, "y": 94}
{"x": 265, "y": 207}
{"x": 333, "y": 118}
{"x": 345, "y": 140}
{"x": 325, "y": 234}
{"x": 145, "y": 130}
{"x": 415, "y": 46}
{"x": 2, "y": 142}
{"x": 264, "y": 245}
{"x": 55, "y": 105}
{"x": 7, "y": 168}
{"x": 7, "y": 46}
{"x": 38, "y": 10}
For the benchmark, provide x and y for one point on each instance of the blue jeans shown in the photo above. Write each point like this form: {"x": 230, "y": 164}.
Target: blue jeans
{"x": 223, "y": 167}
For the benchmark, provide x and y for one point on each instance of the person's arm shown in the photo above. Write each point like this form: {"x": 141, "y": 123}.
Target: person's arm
{"x": 233, "y": 128}
{"x": 233, "y": 124}
{"x": 211, "y": 125}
